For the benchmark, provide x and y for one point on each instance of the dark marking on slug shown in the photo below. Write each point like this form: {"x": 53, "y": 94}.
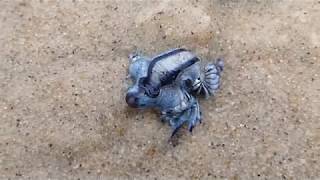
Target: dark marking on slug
{"x": 154, "y": 89}
{"x": 161, "y": 57}
{"x": 169, "y": 77}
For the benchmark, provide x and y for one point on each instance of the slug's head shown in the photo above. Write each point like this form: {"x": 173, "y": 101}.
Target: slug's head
{"x": 141, "y": 95}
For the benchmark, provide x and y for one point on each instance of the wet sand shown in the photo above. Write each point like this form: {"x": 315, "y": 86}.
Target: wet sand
{"x": 63, "y": 68}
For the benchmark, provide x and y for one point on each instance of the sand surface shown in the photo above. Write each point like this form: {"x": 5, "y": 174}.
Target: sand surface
{"x": 63, "y": 68}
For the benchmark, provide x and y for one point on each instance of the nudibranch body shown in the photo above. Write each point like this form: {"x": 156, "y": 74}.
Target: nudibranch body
{"x": 171, "y": 82}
